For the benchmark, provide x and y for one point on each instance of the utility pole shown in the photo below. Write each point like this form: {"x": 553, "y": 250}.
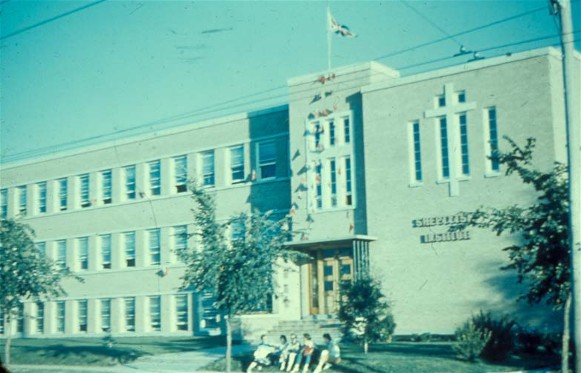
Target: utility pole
{"x": 572, "y": 112}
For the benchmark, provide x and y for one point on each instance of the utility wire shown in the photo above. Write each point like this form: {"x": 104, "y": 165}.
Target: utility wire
{"x": 49, "y": 20}
{"x": 427, "y": 19}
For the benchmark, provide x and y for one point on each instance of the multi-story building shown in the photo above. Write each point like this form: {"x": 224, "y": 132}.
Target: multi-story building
{"x": 371, "y": 167}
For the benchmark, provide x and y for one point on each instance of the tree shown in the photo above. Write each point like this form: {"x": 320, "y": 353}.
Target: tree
{"x": 541, "y": 256}
{"x": 240, "y": 273}
{"x": 25, "y": 274}
{"x": 365, "y": 312}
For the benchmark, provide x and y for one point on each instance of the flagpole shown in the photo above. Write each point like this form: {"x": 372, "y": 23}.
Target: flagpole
{"x": 329, "y": 36}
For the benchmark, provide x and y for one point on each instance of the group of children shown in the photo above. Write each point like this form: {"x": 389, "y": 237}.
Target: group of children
{"x": 290, "y": 355}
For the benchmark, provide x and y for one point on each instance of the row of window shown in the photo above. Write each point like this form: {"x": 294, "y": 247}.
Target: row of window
{"x": 122, "y": 310}
{"x": 82, "y": 193}
{"x": 333, "y": 183}
{"x": 84, "y": 253}
{"x": 335, "y": 131}
{"x": 444, "y": 132}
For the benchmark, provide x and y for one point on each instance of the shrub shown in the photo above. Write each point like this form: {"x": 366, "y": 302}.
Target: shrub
{"x": 528, "y": 339}
{"x": 551, "y": 342}
{"x": 502, "y": 339}
{"x": 470, "y": 341}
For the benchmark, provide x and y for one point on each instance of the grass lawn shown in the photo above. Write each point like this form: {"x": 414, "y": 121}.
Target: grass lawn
{"x": 92, "y": 351}
{"x": 409, "y": 357}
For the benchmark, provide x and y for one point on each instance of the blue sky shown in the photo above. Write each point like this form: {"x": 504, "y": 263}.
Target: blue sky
{"x": 119, "y": 68}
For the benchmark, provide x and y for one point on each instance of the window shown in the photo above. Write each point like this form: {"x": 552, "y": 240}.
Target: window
{"x": 181, "y": 173}
{"x": 492, "y": 148}
{"x": 39, "y": 318}
{"x": 416, "y": 152}
{"x": 333, "y": 186}
{"x": 348, "y": 183}
{"x": 129, "y": 238}
{"x": 182, "y": 312}
{"x": 180, "y": 236}
{"x": 332, "y": 132}
{"x": 106, "y": 177}
{"x": 63, "y": 190}
{"x": 61, "y": 254}
{"x": 129, "y": 314}
{"x": 83, "y": 252}
{"x": 464, "y": 145}
{"x": 106, "y": 315}
{"x": 267, "y": 159}
{"x": 237, "y": 230}
{"x": 441, "y": 100}
{"x": 318, "y": 131}
{"x": 208, "y": 168}
{"x": 82, "y": 315}
{"x": 444, "y": 157}
{"x": 84, "y": 190}
{"x": 106, "y": 251}
{"x": 346, "y": 130}
{"x": 154, "y": 178}
{"x": 154, "y": 246}
{"x": 21, "y": 197}
{"x": 20, "y": 319}
{"x": 155, "y": 313}
{"x": 129, "y": 172}
{"x": 237, "y": 163}
{"x": 319, "y": 185}
{"x": 60, "y": 317}
{"x": 1, "y": 322}
{"x": 41, "y": 197}
{"x": 4, "y": 203}
{"x": 461, "y": 97}
{"x": 41, "y": 247}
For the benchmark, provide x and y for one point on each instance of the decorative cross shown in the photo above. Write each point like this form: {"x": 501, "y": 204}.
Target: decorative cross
{"x": 449, "y": 109}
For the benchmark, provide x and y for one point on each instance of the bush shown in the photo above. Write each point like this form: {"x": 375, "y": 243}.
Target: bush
{"x": 528, "y": 339}
{"x": 552, "y": 342}
{"x": 470, "y": 341}
{"x": 502, "y": 338}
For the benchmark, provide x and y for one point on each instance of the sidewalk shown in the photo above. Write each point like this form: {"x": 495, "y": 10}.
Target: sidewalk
{"x": 180, "y": 362}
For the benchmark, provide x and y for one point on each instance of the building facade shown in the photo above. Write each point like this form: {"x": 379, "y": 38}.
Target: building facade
{"x": 370, "y": 167}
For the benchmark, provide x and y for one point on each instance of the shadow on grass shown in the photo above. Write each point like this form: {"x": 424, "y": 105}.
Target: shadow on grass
{"x": 98, "y": 353}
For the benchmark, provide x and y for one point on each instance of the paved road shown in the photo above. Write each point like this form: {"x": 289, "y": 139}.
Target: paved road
{"x": 181, "y": 362}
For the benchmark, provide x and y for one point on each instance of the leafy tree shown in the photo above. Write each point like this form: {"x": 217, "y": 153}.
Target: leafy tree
{"x": 541, "y": 256}
{"x": 240, "y": 273}
{"x": 365, "y": 312}
{"x": 25, "y": 273}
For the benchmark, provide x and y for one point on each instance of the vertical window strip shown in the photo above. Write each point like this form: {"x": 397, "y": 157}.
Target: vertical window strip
{"x": 129, "y": 314}
{"x": 129, "y": 238}
{"x": 63, "y": 191}
{"x": 4, "y": 203}
{"x": 417, "y": 151}
{"x": 319, "y": 185}
{"x": 39, "y": 317}
{"x": 155, "y": 313}
{"x": 181, "y": 173}
{"x": 346, "y": 130}
{"x": 84, "y": 190}
{"x": 208, "y": 175}
{"x": 464, "y": 145}
{"x": 106, "y": 186}
{"x": 83, "y": 247}
{"x": 333, "y": 177}
{"x": 331, "y": 132}
{"x": 61, "y": 254}
{"x": 267, "y": 159}
{"x": 237, "y": 163}
{"x": 154, "y": 247}
{"x": 130, "y": 182}
{"x": 180, "y": 238}
{"x": 494, "y": 162}
{"x": 22, "y": 199}
{"x": 106, "y": 251}
{"x": 82, "y": 315}
{"x": 106, "y": 315}
{"x": 348, "y": 182}
{"x": 60, "y": 316}
{"x": 155, "y": 178}
{"x": 41, "y": 193}
{"x": 182, "y": 312}
{"x": 445, "y": 159}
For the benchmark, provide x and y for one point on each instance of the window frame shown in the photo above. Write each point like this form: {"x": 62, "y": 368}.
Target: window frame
{"x": 84, "y": 190}
{"x": 106, "y": 186}
{"x": 180, "y": 166}
{"x": 268, "y": 163}
{"x": 154, "y": 177}
{"x": 237, "y": 170}
{"x": 208, "y": 162}
{"x": 105, "y": 241}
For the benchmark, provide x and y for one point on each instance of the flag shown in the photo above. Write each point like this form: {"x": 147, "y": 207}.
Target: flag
{"x": 338, "y": 28}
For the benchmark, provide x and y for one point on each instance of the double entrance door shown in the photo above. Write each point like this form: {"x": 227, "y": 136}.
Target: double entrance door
{"x": 329, "y": 268}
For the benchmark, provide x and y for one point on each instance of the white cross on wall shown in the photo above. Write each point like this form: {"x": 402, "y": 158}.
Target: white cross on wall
{"x": 450, "y": 111}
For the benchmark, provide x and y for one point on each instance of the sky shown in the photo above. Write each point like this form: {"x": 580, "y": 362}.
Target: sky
{"x": 74, "y": 73}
